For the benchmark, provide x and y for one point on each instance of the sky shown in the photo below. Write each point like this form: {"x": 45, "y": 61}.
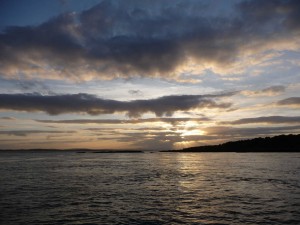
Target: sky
{"x": 157, "y": 75}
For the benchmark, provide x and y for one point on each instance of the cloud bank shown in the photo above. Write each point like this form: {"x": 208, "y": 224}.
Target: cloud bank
{"x": 131, "y": 121}
{"x": 86, "y": 103}
{"x": 293, "y": 101}
{"x": 270, "y": 91}
{"x": 223, "y": 131}
{"x": 265, "y": 119}
{"x": 123, "y": 39}
{"x": 28, "y": 132}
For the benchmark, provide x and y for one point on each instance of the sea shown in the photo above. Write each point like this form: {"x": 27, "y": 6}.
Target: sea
{"x": 59, "y": 187}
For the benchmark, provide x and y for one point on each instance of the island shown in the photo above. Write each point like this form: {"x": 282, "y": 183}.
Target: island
{"x": 281, "y": 143}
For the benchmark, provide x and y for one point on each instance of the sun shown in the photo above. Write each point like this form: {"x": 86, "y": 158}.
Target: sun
{"x": 196, "y": 132}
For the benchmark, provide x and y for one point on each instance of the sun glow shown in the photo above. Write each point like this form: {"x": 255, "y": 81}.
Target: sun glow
{"x": 195, "y": 132}
{"x": 190, "y": 128}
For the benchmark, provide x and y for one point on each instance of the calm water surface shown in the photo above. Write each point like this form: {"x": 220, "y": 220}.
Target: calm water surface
{"x": 158, "y": 188}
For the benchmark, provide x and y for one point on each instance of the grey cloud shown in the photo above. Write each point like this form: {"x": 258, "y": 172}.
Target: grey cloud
{"x": 27, "y": 132}
{"x": 33, "y": 86}
{"x": 7, "y": 118}
{"x": 141, "y": 138}
{"x": 270, "y": 91}
{"x": 225, "y": 131}
{"x": 63, "y": 2}
{"x": 142, "y": 38}
{"x": 151, "y": 140}
{"x": 293, "y": 101}
{"x": 135, "y": 92}
{"x": 274, "y": 89}
{"x": 131, "y": 121}
{"x": 165, "y": 140}
{"x": 265, "y": 119}
{"x": 284, "y": 11}
{"x": 85, "y": 103}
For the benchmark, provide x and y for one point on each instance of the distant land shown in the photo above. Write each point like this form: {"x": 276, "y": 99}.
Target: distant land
{"x": 281, "y": 143}
{"x": 76, "y": 150}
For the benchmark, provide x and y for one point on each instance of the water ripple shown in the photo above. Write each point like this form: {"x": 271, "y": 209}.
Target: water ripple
{"x": 162, "y": 188}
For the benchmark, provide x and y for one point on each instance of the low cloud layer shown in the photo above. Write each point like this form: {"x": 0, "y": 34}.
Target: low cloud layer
{"x": 270, "y": 91}
{"x": 148, "y": 38}
{"x": 131, "y": 121}
{"x": 224, "y": 131}
{"x": 293, "y": 101}
{"x": 28, "y": 132}
{"x": 85, "y": 103}
{"x": 265, "y": 119}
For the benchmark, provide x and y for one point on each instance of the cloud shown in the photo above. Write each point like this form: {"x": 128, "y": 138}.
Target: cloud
{"x": 256, "y": 11}
{"x": 27, "y": 132}
{"x": 33, "y": 86}
{"x": 265, "y": 119}
{"x": 7, "y": 118}
{"x": 157, "y": 140}
{"x": 293, "y": 101}
{"x": 270, "y": 91}
{"x": 131, "y": 121}
{"x": 63, "y": 2}
{"x": 224, "y": 131}
{"x": 86, "y": 103}
{"x": 118, "y": 39}
{"x": 154, "y": 138}
{"x": 135, "y": 92}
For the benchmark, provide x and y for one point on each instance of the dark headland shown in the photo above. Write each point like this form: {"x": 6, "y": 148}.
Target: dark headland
{"x": 281, "y": 143}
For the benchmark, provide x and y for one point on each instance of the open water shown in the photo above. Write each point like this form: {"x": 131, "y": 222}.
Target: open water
{"x": 144, "y": 188}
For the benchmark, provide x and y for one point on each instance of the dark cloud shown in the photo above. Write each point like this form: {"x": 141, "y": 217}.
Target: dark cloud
{"x": 131, "y": 121}
{"x": 63, "y": 2}
{"x": 265, "y": 12}
{"x": 270, "y": 91}
{"x": 7, "y": 118}
{"x": 265, "y": 119}
{"x": 144, "y": 38}
{"x": 225, "y": 131}
{"x": 293, "y": 101}
{"x": 28, "y": 132}
{"x": 274, "y": 89}
{"x": 135, "y": 92}
{"x": 85, "y": 103}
